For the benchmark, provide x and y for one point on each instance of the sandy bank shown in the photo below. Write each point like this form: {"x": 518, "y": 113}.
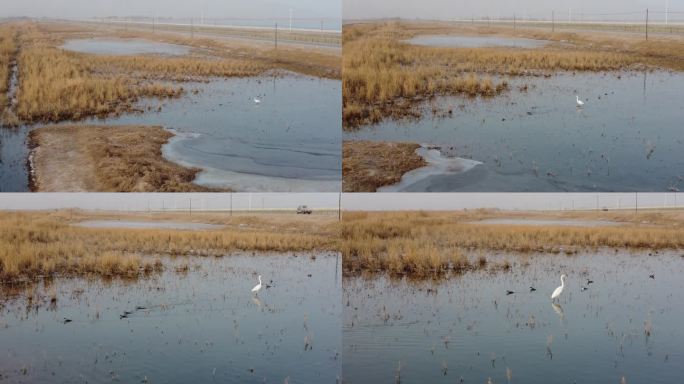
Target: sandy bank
{"x": 80, "y": 158}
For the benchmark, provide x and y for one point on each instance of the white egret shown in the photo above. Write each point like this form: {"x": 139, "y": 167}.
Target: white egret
{"x": 559, "y": 290}
{"x": 257, "y": 287}
{"x": 257, "y": 100}
{"x": 580, "y": 103}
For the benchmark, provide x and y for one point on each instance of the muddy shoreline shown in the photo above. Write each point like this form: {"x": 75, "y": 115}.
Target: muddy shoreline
{"x": 104, "y": 159}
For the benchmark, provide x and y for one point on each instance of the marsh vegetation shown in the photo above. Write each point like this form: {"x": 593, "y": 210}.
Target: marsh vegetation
{"x": 422, "y": 244}
{"x": 487, "y": 326}
{"x": 46, "y": 244}
{"x": 386, "y": 76}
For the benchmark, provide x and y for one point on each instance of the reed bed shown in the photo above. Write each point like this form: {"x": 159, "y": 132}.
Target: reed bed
{"x": 386, "y": 77}
{"x": 58, "y": 85}
{"x": 423, "y": 244}
{"x": 45, "y": 244}
{"x": 414, "y": 244}
{"x": 8, "y": 52}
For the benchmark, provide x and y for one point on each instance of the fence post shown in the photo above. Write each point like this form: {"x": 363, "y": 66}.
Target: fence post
{"x": 646, "y": 23}
{"x": 192, "y": 28}
{"x": 276, "y": 35}
{"x": 553, "y": 22}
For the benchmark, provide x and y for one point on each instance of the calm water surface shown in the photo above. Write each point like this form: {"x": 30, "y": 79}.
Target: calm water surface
{"x": 124, "y": 47}
{"x": 146, "y": 224}
{"x": 628, "y": 136}
{"x": 290, "y": 142}
{"x": 467, "y": 329}
{"x": 202, "y": 325}
{"x": 475, "y": 41}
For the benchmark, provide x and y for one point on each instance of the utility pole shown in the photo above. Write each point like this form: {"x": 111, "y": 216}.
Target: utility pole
{"x": 553, "y": 22}
{"x": 514, "y": 21}
{"x": 636, "y": 202}
{"x": 276, "y": 35}
{"x": 192, "y": 28}
{"x": 290, "y": 19}
{"x": 667, "y": 11}
{"x": 646, "y": 23}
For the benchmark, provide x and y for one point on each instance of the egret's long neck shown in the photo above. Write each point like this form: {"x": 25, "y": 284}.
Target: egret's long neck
{"x": 259, "y": 279}
{"x": 562, "y": 282}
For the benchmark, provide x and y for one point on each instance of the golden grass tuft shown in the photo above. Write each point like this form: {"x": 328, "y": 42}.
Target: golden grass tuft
{"x": 56, "y": 85}
{"x": 368, "y": 165}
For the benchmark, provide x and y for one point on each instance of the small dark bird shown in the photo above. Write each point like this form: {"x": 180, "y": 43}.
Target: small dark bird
{"x": 590, "y": 281}
{"x": 652, "y": 276}
{"x": 583, "y": 289}
{"x": 139, "y": 308}
{"x": 67, "y": 320}
{"x": 309, "y": 275}
{"x": 509, "y": 292}
{"x": 532, "y": 289}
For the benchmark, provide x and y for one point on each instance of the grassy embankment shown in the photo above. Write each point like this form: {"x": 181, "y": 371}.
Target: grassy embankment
{"x": 385, "y": 77}
{"x": 423, "y": 244}
{"x": 368, "y": 165}
{"x": 42, "y": 244}
{"x": 106, "y": 159}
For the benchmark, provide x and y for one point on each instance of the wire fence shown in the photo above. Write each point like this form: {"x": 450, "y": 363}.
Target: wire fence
{"x": 513, "y": 201}
{"x": 646, "y": 21}
{"x": 191, "y": 203}
{"x": 313, "y": 31}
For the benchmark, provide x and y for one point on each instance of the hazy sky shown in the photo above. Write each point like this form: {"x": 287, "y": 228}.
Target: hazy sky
{"x": 449, "y": 9}
{"x": 350, "y": 201}
{"x": 174, "y": 8}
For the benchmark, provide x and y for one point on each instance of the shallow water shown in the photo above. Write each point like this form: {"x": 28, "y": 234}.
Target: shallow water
{"x": 471, "y": 327}
{"x": 475, "y": 41}
{"x": 626, "y": 138}
{"x": 198, "y": 326}
{"x": 146, "y": 224}
{"x": 551, "y": 222}
{"x": 124, "y": 47}
{"x": 290, "y": 142}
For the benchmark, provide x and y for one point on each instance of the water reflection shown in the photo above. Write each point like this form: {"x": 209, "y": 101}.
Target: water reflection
{"x": 196, "y": 326}
{"x": 626, "y": 324}
{"x": 539, "y": 140}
